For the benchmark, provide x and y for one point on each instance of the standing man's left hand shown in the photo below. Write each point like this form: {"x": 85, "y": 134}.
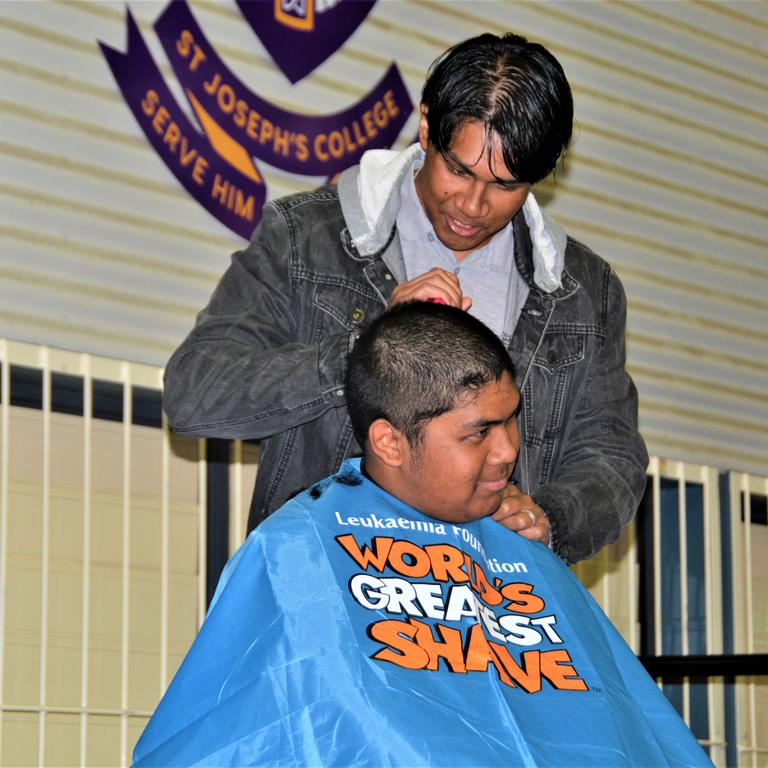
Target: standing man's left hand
{"x": 520, "y": 513}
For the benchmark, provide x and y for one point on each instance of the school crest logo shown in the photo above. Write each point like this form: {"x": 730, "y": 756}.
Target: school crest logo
{"x": 301, "y": 34}
{"x": 216, "y": 157}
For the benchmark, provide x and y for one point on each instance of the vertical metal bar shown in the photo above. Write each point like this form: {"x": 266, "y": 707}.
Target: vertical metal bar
{"x": 709, "y": 566}
{"x": 43, "y": 358}
{"x": 237, "y": 457}
{"x": 735, "y": 484}
{"x": 218, "y": 512}
{"x": 202, "y": 480}
{"x": 752, "y": 682}
{"x": 5, "y": 407}
{"x": 747, "y": 541}
{"x": 85, "y": 368}
{"x": 726, "y": 509}
{"x": 165, "y": 553}
{"x": 713, "y": 610}
{"x": 657, "y": 617}
{"x": 746, "y": 491}
{"x": 683, "y": 549}
{"x": 633, "y": 589}
{"x": 125, "y": 378}
{"x": 605, "y": 582}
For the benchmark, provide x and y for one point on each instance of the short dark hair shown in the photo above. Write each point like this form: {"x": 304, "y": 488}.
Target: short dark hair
{"x": 414, "y": 362}
{"x": 515, "y": 88}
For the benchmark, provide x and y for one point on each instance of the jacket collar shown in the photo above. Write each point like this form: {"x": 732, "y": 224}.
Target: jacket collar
{"x": 369, "y": 194}
{"x": 525, "y": 259}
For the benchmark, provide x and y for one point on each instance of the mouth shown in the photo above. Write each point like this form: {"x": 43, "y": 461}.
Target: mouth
{"x": 495, "y": 485}
{"x": 460, "y": 228}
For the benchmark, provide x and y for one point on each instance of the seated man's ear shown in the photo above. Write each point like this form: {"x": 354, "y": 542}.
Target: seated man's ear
{"x": 387, "y": 442}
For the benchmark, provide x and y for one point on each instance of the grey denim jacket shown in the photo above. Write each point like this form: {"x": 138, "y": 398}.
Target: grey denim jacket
{"x": 266, "y": 360}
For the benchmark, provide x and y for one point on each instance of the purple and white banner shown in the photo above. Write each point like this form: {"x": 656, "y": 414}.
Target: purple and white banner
{"x": 216, "y": 160}
{"x": 233, "y": 197}
{"x": 311, "y": 145}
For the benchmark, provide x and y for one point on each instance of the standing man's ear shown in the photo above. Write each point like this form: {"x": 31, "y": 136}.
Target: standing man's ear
{"x": 387, "y": 442}
{"x": 423, "y": 128}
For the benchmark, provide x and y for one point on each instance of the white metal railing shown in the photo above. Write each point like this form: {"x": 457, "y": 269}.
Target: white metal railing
{"x": 129, "y": 375}
{"x": 753, "y": 746}
{"x": 707, "y": 478}
{"x": 146, "y": 666}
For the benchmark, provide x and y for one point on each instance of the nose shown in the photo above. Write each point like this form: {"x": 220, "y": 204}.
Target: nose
{"x": 506, "y": 445}
{"x": 474, "y": 202}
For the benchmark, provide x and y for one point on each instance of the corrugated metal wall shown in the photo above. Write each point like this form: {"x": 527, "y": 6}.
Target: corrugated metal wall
{"x": 103, "y": 251}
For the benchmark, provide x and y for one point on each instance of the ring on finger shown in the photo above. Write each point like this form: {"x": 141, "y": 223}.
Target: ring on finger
{"x": 530, "y": 514}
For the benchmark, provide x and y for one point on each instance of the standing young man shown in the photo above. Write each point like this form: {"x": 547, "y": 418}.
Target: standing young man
{"x": 450, "y": 219}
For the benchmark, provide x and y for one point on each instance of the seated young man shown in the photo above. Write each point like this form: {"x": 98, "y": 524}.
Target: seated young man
{"x": 383, "y": 617}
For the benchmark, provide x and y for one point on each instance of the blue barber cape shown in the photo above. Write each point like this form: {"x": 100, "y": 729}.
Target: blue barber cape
{"x": 351, "y": 630}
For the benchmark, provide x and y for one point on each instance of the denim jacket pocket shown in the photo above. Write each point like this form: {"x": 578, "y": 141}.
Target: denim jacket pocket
{"x": 559, "y": 351}
{"x": 546, "y": 395}
{"x": 344, "y": 306}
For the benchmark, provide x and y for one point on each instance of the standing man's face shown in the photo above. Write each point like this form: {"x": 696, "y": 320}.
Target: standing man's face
{"x": 466, "y": 203}
{"x": 459, "y": 470}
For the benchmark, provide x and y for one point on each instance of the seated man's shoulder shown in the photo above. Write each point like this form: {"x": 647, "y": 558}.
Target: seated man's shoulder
{"x": 293, "y": 515}
{"x": 313, "y": 505}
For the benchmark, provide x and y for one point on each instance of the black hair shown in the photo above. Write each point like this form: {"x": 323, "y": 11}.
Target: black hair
{"x": 415, "y": 362}
{"x": 515, "y": 88}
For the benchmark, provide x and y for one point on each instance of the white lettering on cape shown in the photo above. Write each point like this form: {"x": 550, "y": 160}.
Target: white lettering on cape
{"x": 374, "y": 521}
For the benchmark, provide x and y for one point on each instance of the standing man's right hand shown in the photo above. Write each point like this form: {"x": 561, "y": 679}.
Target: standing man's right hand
{"x": 435, "y": 284}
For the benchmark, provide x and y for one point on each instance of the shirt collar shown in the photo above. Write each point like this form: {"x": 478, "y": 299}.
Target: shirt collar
{"x": 412, "y": 221}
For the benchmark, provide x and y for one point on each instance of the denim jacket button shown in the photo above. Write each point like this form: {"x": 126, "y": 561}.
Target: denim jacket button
{"x": 357, "y": 315}
{"x": 551, "y": 357}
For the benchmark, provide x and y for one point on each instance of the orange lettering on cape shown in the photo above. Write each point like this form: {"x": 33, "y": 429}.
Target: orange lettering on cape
{"x": 447, "y": 562}
{"x": 399, "y": 646}
{"x": 449, "y": 647}
{"x": 416, "y": 645}
{"x": 521, "y": 599}
{"x": 367, "y": 556}
{"x": 557, "y": 667}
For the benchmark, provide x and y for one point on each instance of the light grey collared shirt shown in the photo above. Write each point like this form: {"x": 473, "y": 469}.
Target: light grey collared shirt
{"x": 488, "y": 275}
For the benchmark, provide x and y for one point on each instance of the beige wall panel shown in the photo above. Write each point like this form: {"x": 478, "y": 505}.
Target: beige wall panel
{"x": 625, "y": 219}
{"x": 103, "y": 740}
{"x": 632, "y": 153}
{"x": 713, "y": 282}
{"x": 611, "y": 579}
{"x": 242, "y": 476}
{"x": 21, "y": 683}
{"x": 20, "y": 742}
{"x": 60, "y": 746}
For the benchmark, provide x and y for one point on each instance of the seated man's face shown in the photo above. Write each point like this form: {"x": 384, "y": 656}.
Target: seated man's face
{"x": 459, "y": 470}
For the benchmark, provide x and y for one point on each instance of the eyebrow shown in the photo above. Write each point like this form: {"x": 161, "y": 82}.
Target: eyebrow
{"x": 480, "y": 423}
{"x": 448, "y": 155}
